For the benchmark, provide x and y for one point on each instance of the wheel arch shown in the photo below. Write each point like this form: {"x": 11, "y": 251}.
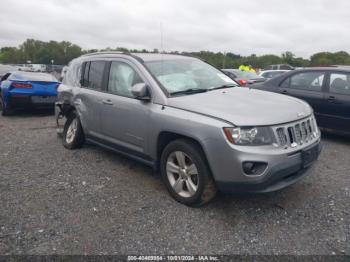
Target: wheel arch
{"x": 67, "y": 109}
{"x": 166, "y": 137}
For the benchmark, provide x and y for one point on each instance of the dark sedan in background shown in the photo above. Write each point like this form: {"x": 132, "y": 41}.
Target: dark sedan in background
{"x": 327, "y": 90}
{"x": 244, "y": 78}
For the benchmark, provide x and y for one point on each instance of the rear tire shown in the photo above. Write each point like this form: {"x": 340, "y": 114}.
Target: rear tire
{"x": 73, "y": 135}
{"x": 186, "y": 174}
{"x": 4, "y": 111}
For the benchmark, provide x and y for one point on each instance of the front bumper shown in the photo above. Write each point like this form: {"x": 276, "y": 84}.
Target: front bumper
{"x": 283, "y": 168}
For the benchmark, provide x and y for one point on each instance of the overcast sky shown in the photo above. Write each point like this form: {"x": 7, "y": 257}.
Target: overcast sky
{"x": 242, "y": 27}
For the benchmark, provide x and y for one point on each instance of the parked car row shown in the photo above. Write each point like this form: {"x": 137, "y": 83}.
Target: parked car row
{"x": 188, "y": 120}
{"x": 44, "y": 68}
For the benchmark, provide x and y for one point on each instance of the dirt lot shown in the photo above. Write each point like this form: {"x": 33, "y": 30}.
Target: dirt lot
{"x": 92, "y": 201}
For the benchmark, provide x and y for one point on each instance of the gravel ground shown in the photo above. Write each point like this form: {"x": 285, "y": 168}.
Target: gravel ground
{"x": 92, "y": 201}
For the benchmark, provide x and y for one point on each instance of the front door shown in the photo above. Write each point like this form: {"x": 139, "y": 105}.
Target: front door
{"x": 124, "y": 118}
{"x": 307, "y": 86}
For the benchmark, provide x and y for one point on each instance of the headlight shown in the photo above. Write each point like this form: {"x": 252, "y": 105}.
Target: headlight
{"x": 250, "y": 136}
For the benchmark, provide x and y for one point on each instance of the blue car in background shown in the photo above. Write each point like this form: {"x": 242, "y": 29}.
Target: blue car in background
{"x": 27, "y": 89}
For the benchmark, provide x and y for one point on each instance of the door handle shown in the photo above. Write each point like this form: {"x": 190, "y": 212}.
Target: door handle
{"x": 331, "y": 99}
{"x": 107, "y": 102}
{"x": 284, "y": 91}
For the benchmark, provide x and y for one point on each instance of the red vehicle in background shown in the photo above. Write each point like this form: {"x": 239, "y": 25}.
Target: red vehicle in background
{"x": 243, "y": 78}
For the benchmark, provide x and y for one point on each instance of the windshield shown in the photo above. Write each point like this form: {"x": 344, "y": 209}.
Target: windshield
{"x": 188, "y": 74}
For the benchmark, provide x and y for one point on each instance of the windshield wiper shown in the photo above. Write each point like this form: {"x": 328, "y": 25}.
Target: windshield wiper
{"x": 189, "y": 91}
{"x": 222, "y": 87}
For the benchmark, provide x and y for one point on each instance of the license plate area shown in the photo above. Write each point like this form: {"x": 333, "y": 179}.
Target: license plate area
{"x": 43, "y": 99}
{"x": 310, "y": 155}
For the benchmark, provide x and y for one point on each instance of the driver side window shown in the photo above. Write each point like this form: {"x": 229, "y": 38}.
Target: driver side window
{"x": 122, "y": 77}
{"x": 310, "y": 81}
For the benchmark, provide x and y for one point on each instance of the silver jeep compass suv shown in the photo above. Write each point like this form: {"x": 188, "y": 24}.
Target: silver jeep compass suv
{"x": 188, "y": 119}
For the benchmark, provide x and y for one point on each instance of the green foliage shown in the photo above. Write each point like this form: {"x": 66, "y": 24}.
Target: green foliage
{"x": 327, "y": 58}
{"x": 40, "y": 52}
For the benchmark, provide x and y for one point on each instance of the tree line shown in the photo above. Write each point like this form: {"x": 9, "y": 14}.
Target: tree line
{"x": 60, "y": 53}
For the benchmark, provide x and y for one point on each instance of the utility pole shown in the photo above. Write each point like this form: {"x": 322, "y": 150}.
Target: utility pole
{"x": 224, "y": 61}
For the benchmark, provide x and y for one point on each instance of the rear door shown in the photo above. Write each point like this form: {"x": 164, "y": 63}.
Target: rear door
{"x": 337, "y": 102}
{"x": 89, "y": 97}
{"x": 308, "y": 86}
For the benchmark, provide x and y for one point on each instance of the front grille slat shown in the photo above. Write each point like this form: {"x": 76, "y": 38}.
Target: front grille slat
{"x": 282, "y": 136}
{"x": 297, "y": 133}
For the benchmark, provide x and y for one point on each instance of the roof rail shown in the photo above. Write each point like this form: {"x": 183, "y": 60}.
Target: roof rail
{"x": 105, "y": 53}
{"x": 113, "y": 53}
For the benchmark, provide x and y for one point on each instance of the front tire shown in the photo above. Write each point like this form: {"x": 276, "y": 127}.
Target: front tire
{"x": 186, "y": 174}
{"x": 73, "y": 135}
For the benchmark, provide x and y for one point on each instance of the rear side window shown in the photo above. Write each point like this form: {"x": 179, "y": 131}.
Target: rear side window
{"x": 93, "y": 74}
{"x": 339, "y": 83}
{"x": 85, "y": 74}
{"x": 310, "y": 81}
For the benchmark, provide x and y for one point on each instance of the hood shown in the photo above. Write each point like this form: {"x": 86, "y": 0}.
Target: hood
{"x": 244, "y": 106}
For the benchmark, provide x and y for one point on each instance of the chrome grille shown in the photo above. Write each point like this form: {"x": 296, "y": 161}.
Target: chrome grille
{"x": 297, "y": 133}
{"x": 282, "y": 138}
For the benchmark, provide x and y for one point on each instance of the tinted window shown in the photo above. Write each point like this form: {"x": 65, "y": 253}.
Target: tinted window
{"x": 311, "y": 81}
{"x": 267, "y": 75}
{"x": 340, "y": 83}
{"x": 121, "y": 78}
{"x": 277, "y": 73}
{"x": 85, "y": 74}
{"x": 285, "y": 83}
{"x": 285, "y": 67}
{"x": 96, "y": 74}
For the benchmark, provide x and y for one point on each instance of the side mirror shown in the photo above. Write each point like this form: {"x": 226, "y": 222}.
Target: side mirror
{"x": 141, "y": 91}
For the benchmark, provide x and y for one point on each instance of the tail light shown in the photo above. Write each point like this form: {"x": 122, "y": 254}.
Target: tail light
{"x": 21, "y": 85}
{"x": 242, "y": 82}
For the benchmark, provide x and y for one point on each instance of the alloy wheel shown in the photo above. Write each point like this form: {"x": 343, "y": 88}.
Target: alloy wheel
{"x": 182, "y": 174}
{"x": 72, "y": 130}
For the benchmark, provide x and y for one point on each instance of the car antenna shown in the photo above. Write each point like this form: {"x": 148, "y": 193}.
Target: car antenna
{"x": 161, "y": 44}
